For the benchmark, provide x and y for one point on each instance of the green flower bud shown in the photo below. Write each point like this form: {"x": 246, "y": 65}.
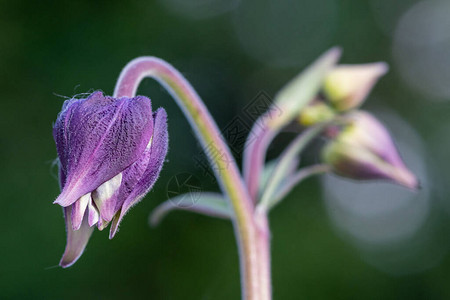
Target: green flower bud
{"x": 347, "y": 86}
{"x": 316, "y": 112}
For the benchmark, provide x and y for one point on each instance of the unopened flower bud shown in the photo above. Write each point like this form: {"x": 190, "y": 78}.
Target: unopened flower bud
{"x": 364, "y": 150}
{"x": 347, "y": 86}
{"x": 316, "y": 112}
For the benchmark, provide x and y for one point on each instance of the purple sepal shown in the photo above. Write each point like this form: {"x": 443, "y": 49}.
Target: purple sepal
{"x": 97, "y": 138}
{"x": 76, "y": 239}
{"x": 140, "y": 177}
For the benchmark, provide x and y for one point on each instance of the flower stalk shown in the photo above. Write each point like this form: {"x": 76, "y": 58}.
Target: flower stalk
{"x": 279, "y": 174}
{"x": 251, "y": 233}
{"x": 290, "y": 100}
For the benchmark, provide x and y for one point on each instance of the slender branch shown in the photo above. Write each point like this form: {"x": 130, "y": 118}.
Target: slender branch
{"x": 285, "y": 161}
{"x": 247, "y": 234}
{"x": 295, "y": 180}
{"x": 255, "y": 154}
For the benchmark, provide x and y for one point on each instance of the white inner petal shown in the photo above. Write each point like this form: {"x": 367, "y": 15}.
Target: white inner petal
{"x": 84, "y": 200}
{"x": 93, "y": 216}
{"x": 79, "y": 208}
{"x": 106, "y": 190}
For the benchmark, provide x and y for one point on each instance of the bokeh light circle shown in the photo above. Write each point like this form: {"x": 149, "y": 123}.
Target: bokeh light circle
{"x": 421, "y": 48}
{"x": 387, "y": 13}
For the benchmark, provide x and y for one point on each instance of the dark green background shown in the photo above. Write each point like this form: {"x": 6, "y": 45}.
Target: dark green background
{"x": 50, "y": 48}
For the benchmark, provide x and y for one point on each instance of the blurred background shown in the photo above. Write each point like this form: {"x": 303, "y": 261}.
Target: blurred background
{"x": 332, "y": 238}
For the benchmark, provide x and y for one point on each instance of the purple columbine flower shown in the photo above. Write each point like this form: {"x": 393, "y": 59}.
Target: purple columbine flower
{"x": 110, "y": 154}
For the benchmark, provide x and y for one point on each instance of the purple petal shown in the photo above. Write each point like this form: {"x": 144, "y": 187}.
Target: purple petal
{"x": 97, "y": 138}
{"x": 76, "y": 240}
{"x": 134, "y": 189}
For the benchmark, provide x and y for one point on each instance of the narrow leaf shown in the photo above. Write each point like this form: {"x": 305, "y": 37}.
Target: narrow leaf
{"x": 210, "y": 204}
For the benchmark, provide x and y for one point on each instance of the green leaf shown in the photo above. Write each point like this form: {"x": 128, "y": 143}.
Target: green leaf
{"x": 210, "y": 204}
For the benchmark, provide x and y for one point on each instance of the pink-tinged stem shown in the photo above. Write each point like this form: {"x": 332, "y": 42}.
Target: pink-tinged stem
{"x": 263, "y": 247}
{"x": 255, "y": 154}
{"x": 295, "y": 179}
{"x": 252, "y": 243}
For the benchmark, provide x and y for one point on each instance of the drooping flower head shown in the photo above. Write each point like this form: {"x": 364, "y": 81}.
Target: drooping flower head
{"x": 363, "y": 149}
{"x": 110, "y": 154}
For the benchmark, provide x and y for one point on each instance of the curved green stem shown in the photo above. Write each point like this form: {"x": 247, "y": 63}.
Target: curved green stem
{"x": 248, "y": 231}
{"x": 295, "y": 180}
{"x": 285, "y": 161}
